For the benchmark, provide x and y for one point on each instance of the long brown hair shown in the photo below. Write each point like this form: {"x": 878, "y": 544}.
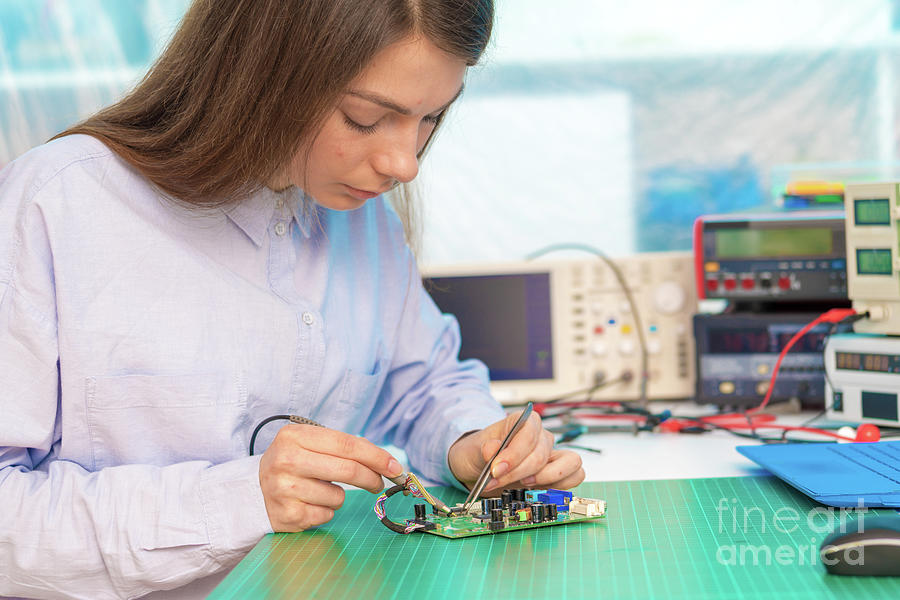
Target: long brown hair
{"x": 244, "y": 83}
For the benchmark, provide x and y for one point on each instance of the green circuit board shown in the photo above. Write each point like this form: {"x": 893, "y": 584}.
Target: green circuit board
{"x": 517, "y": 509}
{"x": 466, "y": 526}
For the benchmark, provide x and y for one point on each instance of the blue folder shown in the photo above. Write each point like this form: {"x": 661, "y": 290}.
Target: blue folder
{"x": 842, "y": 475}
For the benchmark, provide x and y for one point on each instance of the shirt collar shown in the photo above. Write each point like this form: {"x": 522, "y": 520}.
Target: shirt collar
{"x": 254, "y": 213}
{"x": 304, "y": 209}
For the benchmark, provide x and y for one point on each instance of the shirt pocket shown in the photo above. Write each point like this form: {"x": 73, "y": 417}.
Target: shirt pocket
{"x": 165, "y": 419}
{"x": 356, "y": 397}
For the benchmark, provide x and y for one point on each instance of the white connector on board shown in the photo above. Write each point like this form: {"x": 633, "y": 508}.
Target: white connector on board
{"x": 588, "y": 507}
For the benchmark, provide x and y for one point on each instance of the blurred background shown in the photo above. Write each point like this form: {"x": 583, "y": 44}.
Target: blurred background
{"x": 590, "y": 121}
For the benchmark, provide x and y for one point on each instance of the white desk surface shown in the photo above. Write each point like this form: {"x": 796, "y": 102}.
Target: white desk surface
{"x": 656, "y": 455}
{"x": 650, "y": 455}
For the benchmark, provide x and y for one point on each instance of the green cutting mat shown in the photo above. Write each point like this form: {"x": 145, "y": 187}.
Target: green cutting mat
{"x": 661, "y": 539}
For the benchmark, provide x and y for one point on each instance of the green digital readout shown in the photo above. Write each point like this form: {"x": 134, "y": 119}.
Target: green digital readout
{"x": 874, "y": 261}
{"x": 774, "y": 243}
{"x": 864, "y": 361}
{"x": 872, "y": 211}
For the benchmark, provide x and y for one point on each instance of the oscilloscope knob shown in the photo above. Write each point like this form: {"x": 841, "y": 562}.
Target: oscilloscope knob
{"x": 626, "y": 347}
{"x": 669, "y": 297}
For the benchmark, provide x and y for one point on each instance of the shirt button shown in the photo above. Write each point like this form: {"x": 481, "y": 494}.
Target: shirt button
{"x": 279, "y": 203}
{"x": 280, "y": 228}
{"x": 308, "y": 318}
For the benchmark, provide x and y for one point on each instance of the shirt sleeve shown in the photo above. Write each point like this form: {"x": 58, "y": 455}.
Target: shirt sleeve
{"x": 431, "y": 398}
{"x": 119, "y": 532}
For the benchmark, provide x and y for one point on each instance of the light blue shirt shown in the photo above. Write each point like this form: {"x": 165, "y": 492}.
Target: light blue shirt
{"x": 142, "y": 340}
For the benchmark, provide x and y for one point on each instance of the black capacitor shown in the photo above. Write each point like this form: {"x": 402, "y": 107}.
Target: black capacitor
{"x": 518, "y": 494}
{"x": 537, "y": 513}
{"x": 420, "y": 512}
{"x": 496, "y": 521}
{"x": 551, "y": 512}
{"x": 496, "y": 503}
{"x": 505, "y": 499}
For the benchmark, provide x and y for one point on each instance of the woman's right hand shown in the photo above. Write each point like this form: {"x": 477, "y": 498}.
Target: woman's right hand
{"x": 297, "y": 471}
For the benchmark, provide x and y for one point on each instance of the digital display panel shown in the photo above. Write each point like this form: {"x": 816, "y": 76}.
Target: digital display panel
{"x": 872, "y": 211}
{"x": 504, "y": 321}
{"x": 865, "y": 361}
{"x": 788, "y": 242}
{"x": 874, "y": 261}
{"x": 760, "y": 340}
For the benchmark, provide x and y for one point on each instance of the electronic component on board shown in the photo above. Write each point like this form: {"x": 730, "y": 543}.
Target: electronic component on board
{"x": 496, "y": 522}
{"x": 532, "y": 495}
{"x": 587, "y": 507}
{"x": 559, "y": 498}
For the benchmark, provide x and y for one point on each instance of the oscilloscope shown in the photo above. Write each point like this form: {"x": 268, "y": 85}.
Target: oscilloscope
{"x": 546, "y": 328}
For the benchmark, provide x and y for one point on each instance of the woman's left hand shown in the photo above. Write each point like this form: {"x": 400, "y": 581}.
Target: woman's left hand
{"x": 528, "y": 461}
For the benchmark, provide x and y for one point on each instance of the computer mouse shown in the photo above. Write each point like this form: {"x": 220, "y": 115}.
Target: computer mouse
{"x": 869, "y": 545}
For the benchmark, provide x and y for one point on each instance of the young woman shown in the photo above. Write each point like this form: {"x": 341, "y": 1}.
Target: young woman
{"x": 215, "y": 249}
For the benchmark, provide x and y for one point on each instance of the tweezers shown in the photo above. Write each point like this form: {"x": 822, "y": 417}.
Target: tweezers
{"x": 486, "y": 472}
